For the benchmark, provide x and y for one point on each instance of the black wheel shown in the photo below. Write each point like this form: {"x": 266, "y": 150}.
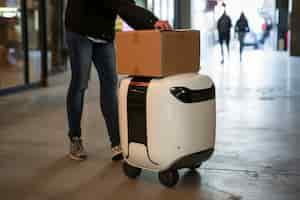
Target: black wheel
{"x": 195, "y": 167}
{"x": 169, "y": 178}
{"x": 130, "y": 171}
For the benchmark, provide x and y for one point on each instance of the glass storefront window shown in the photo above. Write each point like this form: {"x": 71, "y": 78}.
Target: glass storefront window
{"x": 23, "y": 59}
{"x": 11, "y": 45}
{"x": 33, "y": 38}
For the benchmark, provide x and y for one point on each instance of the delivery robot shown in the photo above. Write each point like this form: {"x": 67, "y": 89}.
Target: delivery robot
{"x": 166, "y": 124}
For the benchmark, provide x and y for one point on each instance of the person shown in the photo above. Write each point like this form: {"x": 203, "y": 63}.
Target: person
{"x": 224, "y": 26}
{"x": 90, "y": 33}
{"x": 266, "y": 27}
{"x": 241, "y": 28}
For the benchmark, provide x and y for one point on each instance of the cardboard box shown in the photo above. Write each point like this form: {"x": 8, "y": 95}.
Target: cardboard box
{"x": 158, "y": 54}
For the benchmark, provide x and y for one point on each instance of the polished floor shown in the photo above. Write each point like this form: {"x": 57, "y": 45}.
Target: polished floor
{"x": 257, "y": 153}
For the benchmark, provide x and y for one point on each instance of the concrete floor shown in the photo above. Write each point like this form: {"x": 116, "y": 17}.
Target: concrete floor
{"x": 257, "y": 155}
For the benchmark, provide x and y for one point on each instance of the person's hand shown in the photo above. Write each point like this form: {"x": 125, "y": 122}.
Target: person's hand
{"x": 162, "y": 25}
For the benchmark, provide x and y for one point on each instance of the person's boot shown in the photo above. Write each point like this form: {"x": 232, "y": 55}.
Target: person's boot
{"x": 77, "y": 151}
{"x": 117, "y": 153}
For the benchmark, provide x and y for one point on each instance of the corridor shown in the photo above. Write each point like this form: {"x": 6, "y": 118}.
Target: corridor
{"x": 257, "y": 155}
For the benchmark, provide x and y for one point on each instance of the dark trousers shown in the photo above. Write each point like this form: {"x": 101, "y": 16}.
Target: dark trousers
{"x": 241, "y": 36}
{"x": 224, "y": 37}
{"x": 82, "y": 53}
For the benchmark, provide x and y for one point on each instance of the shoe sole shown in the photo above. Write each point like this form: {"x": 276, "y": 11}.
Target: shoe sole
{"x": 117, "y": 157}
{"x": 77, "y": 158}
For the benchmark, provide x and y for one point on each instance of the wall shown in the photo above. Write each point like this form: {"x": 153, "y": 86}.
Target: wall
{"x": 294, "y": 28}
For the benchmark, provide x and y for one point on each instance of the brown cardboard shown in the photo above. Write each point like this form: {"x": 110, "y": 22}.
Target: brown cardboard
{"x": 157, "y": 54}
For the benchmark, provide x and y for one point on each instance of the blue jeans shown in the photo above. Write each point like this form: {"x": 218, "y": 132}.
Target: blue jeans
{"x": 241, "y": 39}
{"x": 82, "y": 53}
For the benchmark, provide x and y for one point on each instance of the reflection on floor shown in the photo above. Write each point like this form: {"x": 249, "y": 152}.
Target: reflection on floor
{"x": 257, "y": 153}
{"x": 12, "y": 70}
{"x": 11, "y": 75}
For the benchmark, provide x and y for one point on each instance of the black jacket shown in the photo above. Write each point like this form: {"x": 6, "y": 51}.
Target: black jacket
{"x": 96, "y": 18}
{"x": 241, "y": 25}
{"x": 224, "y": 24}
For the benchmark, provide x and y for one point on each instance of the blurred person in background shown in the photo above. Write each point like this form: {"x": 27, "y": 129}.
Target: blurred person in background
{"x": 224, "y": 25}
{"x": 242, "y": 28}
